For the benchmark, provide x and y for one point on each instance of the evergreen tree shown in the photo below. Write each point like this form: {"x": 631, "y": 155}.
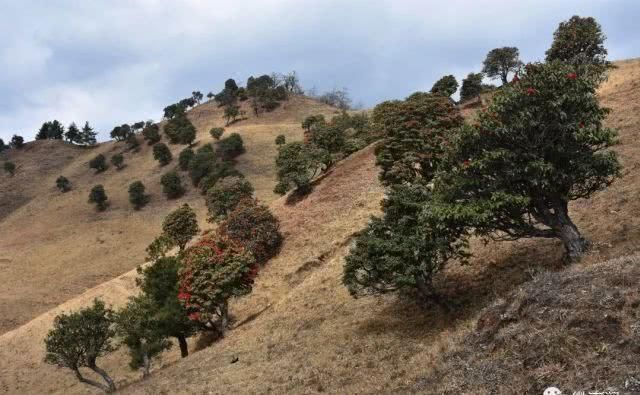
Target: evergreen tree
{"x": 137, "y": 197}
{"x": 50, "y": 130}
{"x": 216, "y": 133}
{"x": 578, "y": 41}
{"x": 3, "y": 146}
{"x": 185, "y": 157}
{"x": 99, "y": 197}
{"x": 88, "y": 136}
{"x": 72, "y": 134}
{"x": 180, "y": 130}
{"x": 162, "y": 154}
{"x": 500, "y": 62}
{"x": 297, "y": 165}
{"x": 172, "y": 185}
{"x": 151, "y": 133}
{"x": 471, "y": 86}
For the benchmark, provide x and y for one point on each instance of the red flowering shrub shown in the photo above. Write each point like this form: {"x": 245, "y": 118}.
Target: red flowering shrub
{"x": 572, "y": 76}
{"x": 531, "y": 91}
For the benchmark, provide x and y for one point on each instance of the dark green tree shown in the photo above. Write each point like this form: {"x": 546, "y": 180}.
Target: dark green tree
{"x": 185, "y": 157}
{"x": 172, "y": 185}
{"x": 180, "y": 130}
{"x": 17, "y": 141}
{"x": 203, "y": 163}
{"x": 216, "y": 133}
{"x": 230, "y": 146}
{"x": 10, "y": 167}
{"x": 445, "y": 86}
{"x": 311, "y": 120}
{"x": 218, "y": 171}
{"x": 99, "y": 197}
{"x": 197, "y": 96}
{"x": 297, "y": 165}
{"x": 132, "y": 143}
{"x": 88, "y": 136}
{"x": 500, "y": 62}
{"x": 137, "y": 197}
{"x": 120, "y": 133}
{"x": 73, "y": 134}
{"x": 162, "y": 154}
{"x": 151, "y": 133}
{"x": 280, "y": 140}
{"x": 118, "y": 161}
{"x": 578, "y": 41}
{"x": 231, "y": 113}
{"x": 63, "y": 184}
{"x": 50, "y": 130}
{"x": 180, "y": 226}
{"x": 223, "y": 197}
{"x": 78, "y": 339}
{"x": 3, "y": 146}
{"x": 99, "y": 163}
{"x": 471, "y": 86}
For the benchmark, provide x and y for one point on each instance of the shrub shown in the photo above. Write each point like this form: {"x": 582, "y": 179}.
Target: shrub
{"x": 471, "y": 86}
{"x": 352, "y": 145}
{"x": 172, "y": 185}
{"x": 3, "y": 146}
{"x": 202, "y": 164}
{"x": 445, "y": 86}
{"x": 328, "y": 137}
{"x": 162, "y": 154}
{"x": 185, "y": 157}
{"x": 137, "y": 196}
{"x": 120, "y": 133}
{"x": 180, "y": 226}
{"x": 252, "y": 225}
{"x": 118, "y": 161}
{"x": 547, "y": 130}
{"x": 17, "y": 141}
{"x": 500, "y": 62}
{"x": 10, "y": 167}
{"x": 132, "y": 142}
{"x": 297, "y": 165}
{"x": 225, "y": 195}
{"x": 79, "y": 339}
{"x": 280, "y": 140}
{"x": 99, "y": 197}
{"x": 180, "y": 130}
{"x": 578, "y": 41}
{"x": 63, "y": 184}
{"x": 214, "y": 270}
{"x": 220, "y": 170}
{"x": 216, "y": 133}
{"x": 231, "y": 146}
{"x": 99, "y": 163}
{"x": 151, "y": 133}
{"x": 312, "y": 120}
{"x": 231, "y": 112}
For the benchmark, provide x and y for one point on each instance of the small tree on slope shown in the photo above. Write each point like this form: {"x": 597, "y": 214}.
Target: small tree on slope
{"x": 180, "y": 226}
{"x": 540, "y": 145}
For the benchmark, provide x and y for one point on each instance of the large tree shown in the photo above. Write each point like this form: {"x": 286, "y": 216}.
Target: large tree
{"x": 500, "y": 62}
{"x": 578, "y": 41}
{"x": 471, "y": 86}
{"x": 88, "y": 136}
{"x": 50, "y": 130}
{"x": 446, "y": 86}
{"x": 540, "y": 145}
{"x": 180, "y": 226}
{"x": 72, "y": 134}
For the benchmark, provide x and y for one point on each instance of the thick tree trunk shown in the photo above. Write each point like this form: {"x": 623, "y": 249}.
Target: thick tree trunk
{"x": 82, "y": 379}
{"x": 111, "y": 386}
{"x": 574, "y": 243}
{"x": 184, "y": 350}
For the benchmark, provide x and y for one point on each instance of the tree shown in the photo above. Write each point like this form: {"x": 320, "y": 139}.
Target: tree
{"x": 138, "y": 326}
{"x": 471, "y": 86}
{"x": 210, "y": 95}
{"x": 229, "y": 94}
{"x": 547, "y": 130}
{"x": 500, "y": 62}
{"x": 337, "y": 97}
{"x": 10, "y": 167}
{"x": 120, "y": 133}
{"x": 185, "y": 157}
{"x": 50, "y": 130}
{"x": 132, "y": 142}
{"x": 291, "y": 83}
{"x": 137, "y": 197}
{"x": 17, "y": 141}
{"x": 73, "y": 134}
{"x": 312, "y": 120}
{"x": 99, "y": 197}
{"x": 63, "y": 184}
{"x": 218, "y": 171}
{"x": 225, "y": 195}
{"x": 216, "y": 133}
{"x": 214, "y": 270}
{"x": 203, "y": 162}
{"x": 197, "y": 96}
{"x": 180, "y": 130}
{"x": 180, "y": 226}
{"x": 172, "y": 185}
{"x": 162, "y": 154}
{"x": 231, "y": 112}
{"x": 78, "y": 339}
{"x": 99, "y": 163}
{"x": 88, "y": 136}
{"x": 252, "y": 225}
{"x": 118, "y": 161}
{"x": 138, "y": 126}
{"x": 297, "y": 165}
{"x": 280, "y": 140}
{"x": 578, "y": 41}
{"x": 328, "y": 136}
{"x": 3, "y": 146}
{"x": 445, "y": 86}
{"x": 151, "y": 133}
{"x": 230, "y": 146}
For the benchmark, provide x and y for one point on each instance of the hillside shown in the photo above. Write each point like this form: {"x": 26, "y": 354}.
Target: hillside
{"x": 54, "y": 246}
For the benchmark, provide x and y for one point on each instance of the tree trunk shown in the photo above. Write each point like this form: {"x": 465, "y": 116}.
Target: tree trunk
{"x": 574, "y": 243}
{"x": 82, "y": 379}
{"x": 184, "y": 350}
{"x": 111, "y": 386}
{"x": 147, "y": 366}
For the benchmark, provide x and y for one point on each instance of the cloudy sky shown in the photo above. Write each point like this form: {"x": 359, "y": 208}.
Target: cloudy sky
{"x": 117, "y": 61}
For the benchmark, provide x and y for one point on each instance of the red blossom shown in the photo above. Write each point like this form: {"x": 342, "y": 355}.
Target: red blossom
{"x": 531, "y": 91}
{"x": 572, "y": 76}
{"x": 515, "y": 79}
{"x": 195, "y": 316}
{"x": 466, "y": 163}
{"x": 581, "y": 125}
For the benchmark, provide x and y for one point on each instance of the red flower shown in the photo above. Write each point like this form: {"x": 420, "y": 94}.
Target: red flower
{"x": 572, "y": 76}
{"x": 195, "y": 316}
{"x": 466, "y": 163}
{"x": 515, "y": 79}
{"x": 531, "y": 91}
{"x": 581, "y": 125}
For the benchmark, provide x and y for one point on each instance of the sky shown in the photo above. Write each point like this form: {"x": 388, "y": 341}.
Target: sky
{"x": 115, "y": 61}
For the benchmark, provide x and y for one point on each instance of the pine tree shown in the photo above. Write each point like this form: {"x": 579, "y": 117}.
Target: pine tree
{"x": 88, "y": 136}
{"x": 72, "y": 134}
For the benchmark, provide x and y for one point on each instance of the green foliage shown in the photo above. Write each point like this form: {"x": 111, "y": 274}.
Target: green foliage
{"x": 73, "y": 134}
{"x": 87, "y": 135}
{"x": 265, "y": 92}
{"x": 180, "y": 130}
{"x": 231, "y": 113}
{"x": 185, "y": 157}
{"x": 297, "y": 165}
{"x": 137, "y": 197}
{"x": 99, "y": 163}
{"x": 578, "y": 41}
{"x": 50, "y": 130}
{"x": 220, "y": 170}
{"x": 280, "y": 140}
{"x": 541, "y": 144}
{"x": 79, "y": 339}
{"x": 230, "y": 146}
{"x": 99, "y": 197}
{"x": 63, "y": 184}
{"x": 229, "y": 95}
{"x": 216, "y": 133}
{"x": 10, "y": 167}
{"x": 151, "y": 133}
{"x": 312, "y": 120}
{"x": 202, "y": 164}
{"x": 17, "y": 141}
{"x": 180, "y": 226}
{"x": 445, "y": 86}
{"x": 197, "y": 96}
{"x": 132, "y": 142}
{"x": 120, "y": 133}
{"x": 172, "y": 185}
{"x": 471, "y": 86}
{"x": 162, "y": 154}
{"x": 416, "y": 130}
{"x": 225, "y": 195}
{"x": 500, "y": 62}
{"x": 328, "y": 137}
{"x": 118, "y": 161}
{"x": 253, "y": 226}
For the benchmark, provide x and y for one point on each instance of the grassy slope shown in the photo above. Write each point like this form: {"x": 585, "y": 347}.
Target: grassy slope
{"x": 54, "y": 246}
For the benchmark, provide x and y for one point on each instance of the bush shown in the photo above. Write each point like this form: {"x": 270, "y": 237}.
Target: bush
{"x": 471, "y": 86}
{"x": 252, "y": 225}
{"x": 225, "y": 195}
{"x": 172, "y": 185}
{"x": 3, "y": 146}
{"x": 180, "y": 226}
{"x": 216, "y": 133}
{"x": 231, "y": 146}
{"x": 328, "y": 137}
{"x": 132, "y": 142}
{"x": 220, "y": 170}
{"x": 137, "y": 196}
{"x": 99, "y": 163}
{"x": 120, "y": 133}
{"x": 203, "y": 163}
{"x": 151, "y": 133}
{"x": 231, "y": 112}
{"x": 500, "y": 62}
{"x": 118, "y": 161}
{"x": 445, "y": 86}
{"x": 352, "y": 145}
{"x": 17, "y": 141}
{"x": 297, "y": 165}
{"x": 99, "y": 197}
{"x": 312, "y": 120}
{"x": 79, "y": 339}
{"x": 214, "y": 270}
{"x": 63, "y": 184}
{"x": 180, "y": 130}
{"x": 10, "y": 167}
{"x": 162, "y": 154}
{"x": 185, "y": 157}
{"x": 280, "y": 140}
